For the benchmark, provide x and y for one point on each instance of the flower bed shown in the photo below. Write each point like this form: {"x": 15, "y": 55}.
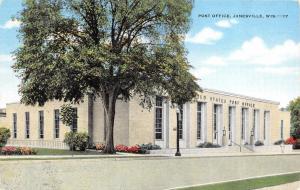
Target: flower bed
{"x": 290, "y": 140}
{"x": 131, "y": 149}
{"x": 11, "y": 150}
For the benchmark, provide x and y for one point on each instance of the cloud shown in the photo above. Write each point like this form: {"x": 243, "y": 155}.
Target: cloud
{"x": 11, "y": 24}
{"x": 205, "y": 36}
{"x": 279, "y": 70}
{"x": 214, "y": 60}
{"x": 255, "y": 51}
{"x": 203, "y": 72}
{"x": 226, "y": 23}
{"x": 4, "y": 58}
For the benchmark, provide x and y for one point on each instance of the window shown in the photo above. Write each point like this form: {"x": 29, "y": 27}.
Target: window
{"x": 56, "y": 123}
{"x": 158, "y": 118}
{"x": 230, "y": 122}
{"x": 179, "y": 120}
{"x": 244, "y": 123}
{"x": 199, "y": 119}
{"x": 27, "y": 122}
{"x": 14, "y": 125}
{"x": 75, "y": 122}
{"x": 215, "y": 121}
{"x": 41, "y": 124}
{"x": 281, "y": 129}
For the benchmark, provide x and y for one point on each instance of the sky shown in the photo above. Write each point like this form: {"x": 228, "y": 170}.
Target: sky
{"x": 256, "y": 56}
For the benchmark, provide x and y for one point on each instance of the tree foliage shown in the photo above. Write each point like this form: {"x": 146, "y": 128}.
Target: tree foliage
{"x": 104, "y": 48}
{"x": 4, "y": 136}
{"x": 294, "y": 108}
{"x": 68, "y": 114}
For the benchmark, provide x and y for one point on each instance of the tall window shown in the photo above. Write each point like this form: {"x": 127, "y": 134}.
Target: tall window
{"x": 254, "y": 122}
{"x": 215, "y": 118}
{"x": 179, "y": 120}
{"x": 244, "y": 122}
{"x": 41, "y": 124}
{"x": 230, "y": 122}
{"x": 199, "y": 119}
{"x": 281, "y": 129}
{"x": 159, "y": 118}
{"x": 27, "y": 127}
{"x": 75, "y": 122}
{"x": 14, "y": 125}
{"x": 56, "y": 123}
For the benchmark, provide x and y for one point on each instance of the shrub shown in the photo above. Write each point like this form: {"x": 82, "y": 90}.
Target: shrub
{"x": 131, "y": 149}
{"x": 121, "y": 148}
{"x": 81, "y": 141}
{"x": 208, "y": 145}
{"x": 76, "y": 140}
{"x": 279, "y": 142}
{"x": 99, "y": 146}
{"x": 70, "y": 140}
{"x": 259, "y": 143}
{"x": 11, "y": 150}
{"x": 8, "y": 150}
{"x": 150, "y": 146}
{"x": 290, "y": 140}
{"x": 4, "y": 136}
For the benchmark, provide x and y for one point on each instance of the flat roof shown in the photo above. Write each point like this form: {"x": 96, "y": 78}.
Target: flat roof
{"x": 240, "y": 96}
{"x": 221, "y": 93}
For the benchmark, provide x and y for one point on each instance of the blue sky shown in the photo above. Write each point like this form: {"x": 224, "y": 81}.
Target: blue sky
{"x": 258, "y": 57}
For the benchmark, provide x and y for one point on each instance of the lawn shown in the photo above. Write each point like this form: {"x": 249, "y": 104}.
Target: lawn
{"x": 46, "y": 151}
{"x": 251, "y": 183}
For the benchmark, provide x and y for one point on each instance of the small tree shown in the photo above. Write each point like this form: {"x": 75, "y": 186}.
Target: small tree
{"x": 4, "y": 136}
{"x": 294, "y": 108}
{"x": 68, "y": 114}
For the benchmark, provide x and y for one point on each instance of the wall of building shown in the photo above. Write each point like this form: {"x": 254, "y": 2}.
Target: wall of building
{"x": 48, "y": 108}
{"x": 145, "y": 121}
{"x": 136, "y": 125}
{"x": 285, "y": 116}
{"x": 121, "y": 122}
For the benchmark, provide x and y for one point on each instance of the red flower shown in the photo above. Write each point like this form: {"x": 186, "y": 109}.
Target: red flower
{"x": 290, "y": 140}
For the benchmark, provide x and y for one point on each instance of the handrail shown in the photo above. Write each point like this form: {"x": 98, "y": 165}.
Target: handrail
{"x": 244, "y": 146}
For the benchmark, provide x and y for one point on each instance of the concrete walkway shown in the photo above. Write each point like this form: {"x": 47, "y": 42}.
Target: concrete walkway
{"x": 288, "y": 186}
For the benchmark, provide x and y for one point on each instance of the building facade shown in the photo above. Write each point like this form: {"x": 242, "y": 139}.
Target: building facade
{"x": 213, "y": 115}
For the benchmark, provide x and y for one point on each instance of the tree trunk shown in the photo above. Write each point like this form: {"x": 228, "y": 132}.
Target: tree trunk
{"x": 109, "y": 109}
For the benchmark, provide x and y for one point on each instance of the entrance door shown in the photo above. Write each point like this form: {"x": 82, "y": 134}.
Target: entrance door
{"x": 217, "y": 123}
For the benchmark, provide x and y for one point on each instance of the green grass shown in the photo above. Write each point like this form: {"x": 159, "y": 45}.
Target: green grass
{"x": 46, "y": 151}
{"x": 251, "y": 183}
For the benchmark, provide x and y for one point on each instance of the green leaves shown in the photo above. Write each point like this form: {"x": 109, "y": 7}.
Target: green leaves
{"x": 131, "y": 47}
{"x": 68, "y": 114}
{"x": 294, "y": 108}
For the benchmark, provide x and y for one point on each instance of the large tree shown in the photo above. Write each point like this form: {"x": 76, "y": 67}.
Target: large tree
{"x": 104, "y": 48}
{"x": 294, "y": 108}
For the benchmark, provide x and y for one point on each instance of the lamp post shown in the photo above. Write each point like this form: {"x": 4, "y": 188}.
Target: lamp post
{"x": 178, "y": 114}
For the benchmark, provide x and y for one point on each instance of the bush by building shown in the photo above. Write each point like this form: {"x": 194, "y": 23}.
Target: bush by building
{"x": 11, "y": 150}
{"x": 76, "y": 141}
{"x": 259, "y": 143}
{"x": 279, "y": 142}
{"x": 208, "y": 145}
{"x": 4, "y": 136}
{"x": 290, "y": 140}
